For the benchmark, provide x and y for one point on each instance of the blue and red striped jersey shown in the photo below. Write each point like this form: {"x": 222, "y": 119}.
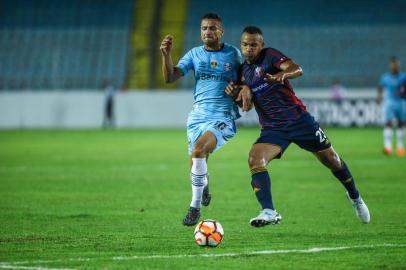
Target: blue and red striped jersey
{"x": 276, "y": 103}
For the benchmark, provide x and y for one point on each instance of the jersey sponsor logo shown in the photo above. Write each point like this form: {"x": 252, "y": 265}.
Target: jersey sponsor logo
{"x": 227, "y": 66}
{"x": 202, "y": 64}
{"x": 260, "y": 87}
{"x": 259, "y": 71}
{"x": 213, "y": 63}
{"x": 212, "y": 77}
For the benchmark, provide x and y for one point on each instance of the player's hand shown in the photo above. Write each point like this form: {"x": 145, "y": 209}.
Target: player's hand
{"x": 166, "y": 45}
{"x": 278, "y": 77}
{"x": 232, "y": 89}
{"x": 245, "y": 95}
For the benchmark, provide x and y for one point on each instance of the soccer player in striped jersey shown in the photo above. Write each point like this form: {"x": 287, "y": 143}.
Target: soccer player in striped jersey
{"x": 284, "y": 119}
{"x": 211, "y": 122}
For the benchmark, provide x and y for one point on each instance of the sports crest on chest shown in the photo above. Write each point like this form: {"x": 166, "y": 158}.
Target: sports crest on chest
{"x": 259, "y": 71}
{"x": 221, "y": 66}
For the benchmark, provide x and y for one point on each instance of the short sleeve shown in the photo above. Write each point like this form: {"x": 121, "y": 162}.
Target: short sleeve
{"x": 276, "y": 57}
{"x": 239, "y": 57}
{"x": 186, "y": 63}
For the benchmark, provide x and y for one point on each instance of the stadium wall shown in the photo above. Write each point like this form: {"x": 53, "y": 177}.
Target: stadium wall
{"x": 161, "y": 109}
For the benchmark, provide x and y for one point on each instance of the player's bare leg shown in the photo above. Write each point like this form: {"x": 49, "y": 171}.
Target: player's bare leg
{"x": 338, "y": 167}
{"x": 202, "y": 148}
{"x": 260, "y": 155}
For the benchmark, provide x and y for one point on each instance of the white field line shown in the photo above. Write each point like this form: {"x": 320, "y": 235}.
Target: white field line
{"x": 18, "y": 264}
{"x": 260, "y": 252}
{"x": 10, "y": 266}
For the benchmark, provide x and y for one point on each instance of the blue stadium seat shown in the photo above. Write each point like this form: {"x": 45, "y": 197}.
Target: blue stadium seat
{"x": 64, "y": 44}
{"x": 349, "y": 40}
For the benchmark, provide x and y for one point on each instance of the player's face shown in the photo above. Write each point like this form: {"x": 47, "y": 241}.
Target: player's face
{"x": 394, "y": 66}
{"x": 211, "y": 32}
{"x": 251, "y": 46}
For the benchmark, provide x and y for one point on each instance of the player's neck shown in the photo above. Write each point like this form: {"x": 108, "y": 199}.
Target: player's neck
{"x": 252, "y": 61}
{"x": 214, "y": 47}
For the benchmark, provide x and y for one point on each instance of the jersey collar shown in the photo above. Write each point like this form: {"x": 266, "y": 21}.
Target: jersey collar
{"x": 221, "y": 48}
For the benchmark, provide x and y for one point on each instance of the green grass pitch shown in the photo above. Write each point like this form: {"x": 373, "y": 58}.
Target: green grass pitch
{"x": 92, "y": 199}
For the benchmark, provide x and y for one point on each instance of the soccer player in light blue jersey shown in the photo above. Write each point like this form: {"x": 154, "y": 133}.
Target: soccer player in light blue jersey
{"x": 211, "y": 122}
{"x": 394, "y": 106}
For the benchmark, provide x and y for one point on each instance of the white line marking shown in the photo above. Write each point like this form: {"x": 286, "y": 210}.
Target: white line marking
{"x": 261, "y": 252}
{"x": 248, "y": 253}
{"x": 9, "y": 266}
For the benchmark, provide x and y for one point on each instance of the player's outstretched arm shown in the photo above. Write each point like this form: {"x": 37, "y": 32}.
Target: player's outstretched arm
{"x": 290, "y": 70}
{"x": 169, "y": 71}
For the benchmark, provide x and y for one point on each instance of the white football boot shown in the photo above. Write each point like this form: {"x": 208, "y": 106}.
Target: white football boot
{"x": 266, "y": 217}
{"x": 361, "y": 208}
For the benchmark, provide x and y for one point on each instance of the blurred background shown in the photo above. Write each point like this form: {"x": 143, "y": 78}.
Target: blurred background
{"x": 95, "y": 63}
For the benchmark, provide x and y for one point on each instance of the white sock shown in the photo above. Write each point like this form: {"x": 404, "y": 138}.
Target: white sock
{"x": 387, "y": 137}
{"x": 400, "y": 134}
{"x": 198, "y": 173}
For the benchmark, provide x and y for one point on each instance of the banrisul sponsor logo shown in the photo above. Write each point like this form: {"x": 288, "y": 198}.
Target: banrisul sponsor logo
{"x": 213, "y": 77}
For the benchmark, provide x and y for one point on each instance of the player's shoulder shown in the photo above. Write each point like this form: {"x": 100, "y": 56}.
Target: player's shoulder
{"x": 229, "y": 47}
{"x": 385, "y": 75}
{"x": 196, "y": 50}
{"x": 271, "y": 51}
{"x": 273, "y": 55}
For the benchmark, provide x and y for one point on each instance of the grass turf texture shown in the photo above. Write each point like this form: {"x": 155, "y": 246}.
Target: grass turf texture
{"x": 101, "y": 194}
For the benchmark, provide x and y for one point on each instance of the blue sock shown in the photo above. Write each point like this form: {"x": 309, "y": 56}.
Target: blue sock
{"x": 261, "y": 184}
{"x": 345, "y": 177}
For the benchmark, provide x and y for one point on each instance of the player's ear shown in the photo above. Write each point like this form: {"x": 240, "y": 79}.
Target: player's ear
{"x": 221, "y": 29}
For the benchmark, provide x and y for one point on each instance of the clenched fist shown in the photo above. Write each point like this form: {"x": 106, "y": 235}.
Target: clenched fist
{"x": 166, "y": 45}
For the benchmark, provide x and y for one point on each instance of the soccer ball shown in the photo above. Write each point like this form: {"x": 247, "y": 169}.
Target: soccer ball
{"x": 209, "y": 233}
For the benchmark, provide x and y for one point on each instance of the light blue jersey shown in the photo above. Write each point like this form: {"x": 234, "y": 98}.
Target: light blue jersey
{"x": 394, "y": 107}
{"x": 391, "y": 84}
{"x": 213, "y": 70}
{"x": 213, "y": 109}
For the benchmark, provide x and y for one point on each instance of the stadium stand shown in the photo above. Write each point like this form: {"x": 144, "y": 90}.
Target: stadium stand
{"x": 155, "y": 19}
{"x": 65, "y": 44}
{"x": 350, "y": 40}
{"x": 79, "y": 44}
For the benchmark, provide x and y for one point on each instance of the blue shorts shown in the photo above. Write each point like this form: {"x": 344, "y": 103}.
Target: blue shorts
{"x": 394, "y": 110}
{"x": 305, "y": 132}
{"x": 222, "y": 126}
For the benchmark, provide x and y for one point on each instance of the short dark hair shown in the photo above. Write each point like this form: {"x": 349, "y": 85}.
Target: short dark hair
{"x": 252, "y": 30}
{"x": 212, "y": 16}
